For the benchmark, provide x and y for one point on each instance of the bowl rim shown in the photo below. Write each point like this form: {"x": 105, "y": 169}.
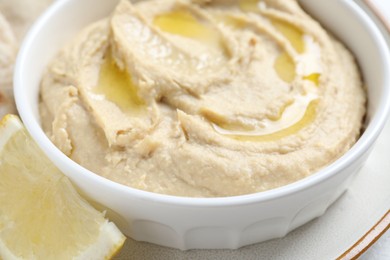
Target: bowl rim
{"x": 358, "y": 150}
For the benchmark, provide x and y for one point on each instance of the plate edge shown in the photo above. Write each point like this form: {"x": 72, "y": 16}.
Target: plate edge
{"x": 368, "y": 239}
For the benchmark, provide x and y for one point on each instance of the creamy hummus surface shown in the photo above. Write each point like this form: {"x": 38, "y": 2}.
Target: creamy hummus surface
{"x": 204, "y": 98}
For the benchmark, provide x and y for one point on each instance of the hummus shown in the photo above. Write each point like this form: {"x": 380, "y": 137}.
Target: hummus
{"x": 204, "y": 98}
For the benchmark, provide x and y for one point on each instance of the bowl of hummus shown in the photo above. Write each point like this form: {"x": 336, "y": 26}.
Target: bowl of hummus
{"x": 206, "y": 124}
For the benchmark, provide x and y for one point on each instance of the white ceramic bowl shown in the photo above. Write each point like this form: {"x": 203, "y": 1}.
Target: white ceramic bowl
{"x": 230, "y": 222}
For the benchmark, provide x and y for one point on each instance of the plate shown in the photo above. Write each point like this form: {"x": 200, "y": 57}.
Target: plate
{"x": 351, "y": 225}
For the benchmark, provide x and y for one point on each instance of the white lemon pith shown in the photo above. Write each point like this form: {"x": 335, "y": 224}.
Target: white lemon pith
{"x": 41, "y": 214}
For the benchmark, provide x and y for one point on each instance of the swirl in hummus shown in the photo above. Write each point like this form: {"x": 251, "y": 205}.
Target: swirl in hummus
{"x": 204, "y": 98}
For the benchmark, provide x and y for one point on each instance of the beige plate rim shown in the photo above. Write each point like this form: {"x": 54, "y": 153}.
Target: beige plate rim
{"x": 368, "y": 239}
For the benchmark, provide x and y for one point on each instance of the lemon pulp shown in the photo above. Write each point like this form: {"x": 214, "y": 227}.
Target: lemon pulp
{"x": 41, "y": 214}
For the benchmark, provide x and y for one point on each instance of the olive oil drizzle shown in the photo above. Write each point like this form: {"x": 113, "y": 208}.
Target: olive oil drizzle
{"x": 249, "y": 5}
{"x": 277, "y": 132}
{"x": 117, "y": 86}
{"x": 307, "y": 118}
{"x": 185, "y": 24}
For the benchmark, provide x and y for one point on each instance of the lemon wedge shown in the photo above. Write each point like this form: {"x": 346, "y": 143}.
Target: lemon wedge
{"x": 41, "y": 214}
